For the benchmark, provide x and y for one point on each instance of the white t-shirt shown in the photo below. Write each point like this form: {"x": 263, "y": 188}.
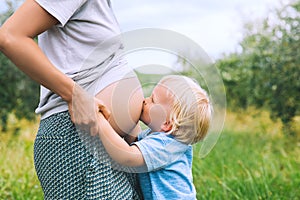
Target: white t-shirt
{"x": 81, "y": 46}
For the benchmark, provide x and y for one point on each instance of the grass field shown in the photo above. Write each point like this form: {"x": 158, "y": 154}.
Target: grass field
{"x": 18, "y": 180}
{"x": 252, "y": 160}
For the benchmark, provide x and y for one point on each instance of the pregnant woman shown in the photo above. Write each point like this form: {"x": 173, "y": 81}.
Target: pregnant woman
{"x": 69, "y": 32}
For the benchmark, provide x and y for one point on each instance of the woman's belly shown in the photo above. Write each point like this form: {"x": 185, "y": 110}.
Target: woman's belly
{"x": 124, "y": 99}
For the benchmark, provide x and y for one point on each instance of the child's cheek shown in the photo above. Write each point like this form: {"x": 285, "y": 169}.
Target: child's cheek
{"x": 157, "y": 116}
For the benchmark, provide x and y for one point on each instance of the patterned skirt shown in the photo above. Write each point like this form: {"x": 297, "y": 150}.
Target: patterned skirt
{"x": 67, "y": 170}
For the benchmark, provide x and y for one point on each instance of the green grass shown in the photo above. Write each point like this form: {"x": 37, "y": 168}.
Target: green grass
{"x": 252, "y": 160}
{"x": 18, "y": 180}
{"x": 249, "y": 166}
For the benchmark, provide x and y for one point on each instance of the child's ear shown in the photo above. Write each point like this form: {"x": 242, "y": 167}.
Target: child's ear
{"x": 166, "y": 126}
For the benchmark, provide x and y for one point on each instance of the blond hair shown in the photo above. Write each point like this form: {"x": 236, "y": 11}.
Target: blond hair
{"x": 191, "y": 111}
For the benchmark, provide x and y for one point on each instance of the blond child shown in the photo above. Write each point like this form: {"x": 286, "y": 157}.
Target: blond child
{"x": 178, "y": 114}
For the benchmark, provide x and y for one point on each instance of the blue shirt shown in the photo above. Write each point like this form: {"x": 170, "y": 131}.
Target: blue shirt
{"x": 169, "y": 166}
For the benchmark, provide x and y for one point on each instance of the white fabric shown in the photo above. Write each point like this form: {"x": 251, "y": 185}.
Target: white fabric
{"x": 84, "y": 25}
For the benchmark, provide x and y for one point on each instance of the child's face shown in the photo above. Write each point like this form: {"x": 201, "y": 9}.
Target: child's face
{"x": 156, "y": 108}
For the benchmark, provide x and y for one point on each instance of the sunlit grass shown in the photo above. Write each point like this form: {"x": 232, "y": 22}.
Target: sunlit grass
{"x": 18, "y": 179}
{"x": 251, "y": 160}
{"x": 249, "y": 166}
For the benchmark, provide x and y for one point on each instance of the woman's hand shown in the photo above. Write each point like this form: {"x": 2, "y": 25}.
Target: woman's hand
{"x": 84, "y": 109}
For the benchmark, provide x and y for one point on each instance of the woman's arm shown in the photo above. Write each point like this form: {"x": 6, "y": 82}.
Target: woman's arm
{"x": 117, "y": 148}
{"x": 17, "y": 43}
{"x": 132, "y": 137}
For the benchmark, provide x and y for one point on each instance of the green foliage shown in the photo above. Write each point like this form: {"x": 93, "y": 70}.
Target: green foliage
{"x": 243, "y": 165}
{"x": 10, "y": 7}
{"x": 18, "y": 178}
{"x": 148, "y": 81}
{"x": 266, "y": 72}
{"x": 18, "y": 93}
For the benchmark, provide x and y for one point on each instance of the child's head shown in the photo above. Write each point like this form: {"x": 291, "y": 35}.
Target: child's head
{"x": 180, "y": 107}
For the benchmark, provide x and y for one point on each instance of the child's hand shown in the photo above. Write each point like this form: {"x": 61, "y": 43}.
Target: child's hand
{"x": 103, "y": 110}
{"x": 84, "y": 110}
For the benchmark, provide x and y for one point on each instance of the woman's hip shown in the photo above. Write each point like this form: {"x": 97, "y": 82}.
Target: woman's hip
{"x": 68, "y": 170}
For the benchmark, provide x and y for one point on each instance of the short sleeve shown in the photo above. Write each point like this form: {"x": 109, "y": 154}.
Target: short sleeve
{"x": 62, "y": 10}
{"x": 144, "y": 134}
{"x": 160, "y": 150}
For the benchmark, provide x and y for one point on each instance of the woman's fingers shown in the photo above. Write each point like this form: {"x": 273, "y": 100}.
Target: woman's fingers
{"x": 84, "y": 110}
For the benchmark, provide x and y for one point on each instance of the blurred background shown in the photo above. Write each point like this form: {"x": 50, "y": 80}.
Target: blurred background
{"x": 255, "y": 47}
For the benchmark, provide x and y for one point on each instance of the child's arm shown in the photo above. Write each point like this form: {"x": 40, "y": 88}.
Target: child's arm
{"x": 117, "y": 147}
{"x": 132, "y": 137}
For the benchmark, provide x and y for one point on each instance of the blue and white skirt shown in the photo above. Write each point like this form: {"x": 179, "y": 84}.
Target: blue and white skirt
{"x": 67, "y": 170}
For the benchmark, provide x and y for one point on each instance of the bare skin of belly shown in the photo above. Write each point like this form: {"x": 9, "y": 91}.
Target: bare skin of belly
{"x": 124, "y": 99}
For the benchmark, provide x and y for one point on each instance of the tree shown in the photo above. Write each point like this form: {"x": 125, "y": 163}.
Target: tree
{"x": 266, "y": 72}
{"x": 19, "y": 94}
